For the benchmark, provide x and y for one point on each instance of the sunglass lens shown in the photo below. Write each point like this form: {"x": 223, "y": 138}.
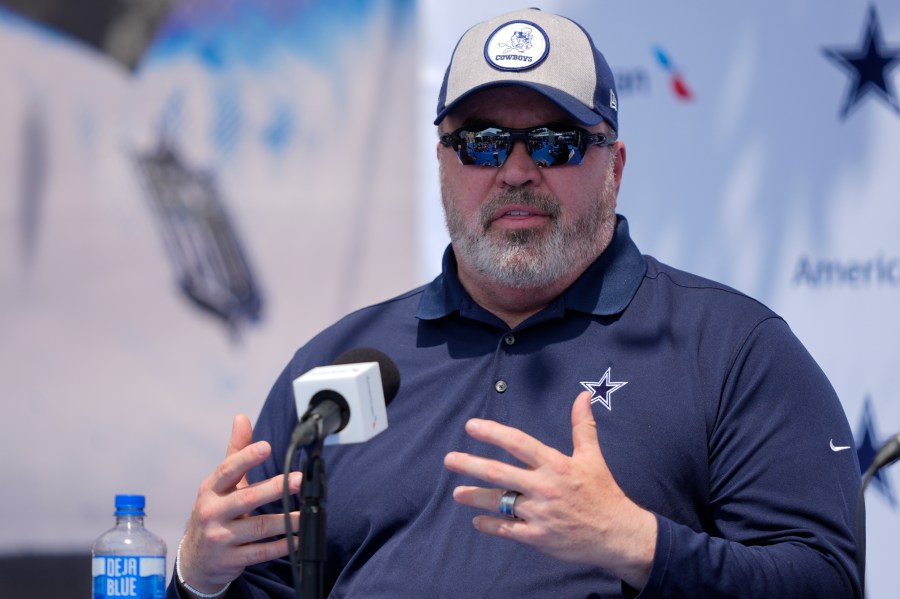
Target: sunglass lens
{"x": 487, "y": 147}
{"x": 481, "y": 155}
{"x": 491, "y": 146}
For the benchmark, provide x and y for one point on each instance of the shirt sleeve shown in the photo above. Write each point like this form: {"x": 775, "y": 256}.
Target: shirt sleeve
{"x": 782, "y": 500}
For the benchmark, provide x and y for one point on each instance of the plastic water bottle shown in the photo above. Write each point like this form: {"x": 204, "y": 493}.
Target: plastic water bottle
{"x": 129, "y": 560}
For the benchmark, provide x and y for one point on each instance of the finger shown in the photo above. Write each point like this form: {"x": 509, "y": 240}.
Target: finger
{"x": 263, "y": 526}
{"x": 522, "y": 446}
{"x": 241, "y": 437}
{"x": 245, "y": 500}
{"x": 515, "y": 530}
{"x": 497, "y": 474}
{"x": 241, "y": 434}
{"x": 479, "y": 497}
{"x": 257, "y": 553}
{"x": 584, "y": 427}
{"x": 233, "y": 468}
{"x": 230, "y": 565}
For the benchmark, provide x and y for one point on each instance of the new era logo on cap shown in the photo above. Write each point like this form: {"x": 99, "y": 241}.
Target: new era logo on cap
{"x": 547, "y": 53}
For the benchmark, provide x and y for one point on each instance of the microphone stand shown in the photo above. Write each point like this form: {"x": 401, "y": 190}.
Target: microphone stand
{"x": 886, "y": 455}
{"x": 312, "y": 522}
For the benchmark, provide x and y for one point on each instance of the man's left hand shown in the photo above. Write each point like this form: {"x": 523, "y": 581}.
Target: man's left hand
{"x": 569, "y": 507}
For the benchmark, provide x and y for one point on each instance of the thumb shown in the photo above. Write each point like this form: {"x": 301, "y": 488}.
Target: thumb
{"x": 584, "y": 427}
{"x": 241, "y": 434}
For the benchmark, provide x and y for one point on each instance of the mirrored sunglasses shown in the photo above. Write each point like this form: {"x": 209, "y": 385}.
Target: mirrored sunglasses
{"x": 548, "y": 146}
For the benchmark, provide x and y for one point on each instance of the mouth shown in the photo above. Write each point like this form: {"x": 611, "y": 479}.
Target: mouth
{"x": 515, "y": 212}
{"x": 519, "y": 209}
{"x": 518, "y": 217}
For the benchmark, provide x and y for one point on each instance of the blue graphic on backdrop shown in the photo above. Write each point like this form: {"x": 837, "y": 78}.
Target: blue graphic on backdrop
{"x": 867, "y": 443}
{"x": 869, "y": 67}
{"x": 632, "y": 81}
{"x": 850, "y": 273}
{"x": 280, "y": 127}
{"x": 227, "y": 36}
{"x": 223, "y": 34}
{"x": 229, "y": 117}
{"x": 233, "y": 40}
{"x": 677, "y": 82}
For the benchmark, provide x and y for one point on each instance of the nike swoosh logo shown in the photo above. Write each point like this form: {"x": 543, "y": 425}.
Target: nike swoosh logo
{"x": 837, "y": 447}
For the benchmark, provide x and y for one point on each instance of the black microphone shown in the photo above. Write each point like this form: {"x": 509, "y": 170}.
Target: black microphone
{"x": 347, "y": 405}
{"x": 346, "y": 399}
{"x": 887, "y": 454}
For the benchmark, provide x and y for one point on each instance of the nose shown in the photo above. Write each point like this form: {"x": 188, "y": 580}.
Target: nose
{"x": 519, "y": 169}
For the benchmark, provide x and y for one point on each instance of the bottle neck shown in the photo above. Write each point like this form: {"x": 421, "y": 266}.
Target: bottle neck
{"x": 129, "y": 520}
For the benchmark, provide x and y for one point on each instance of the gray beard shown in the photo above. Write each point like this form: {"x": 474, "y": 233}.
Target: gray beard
{"x": 529, "y": 258}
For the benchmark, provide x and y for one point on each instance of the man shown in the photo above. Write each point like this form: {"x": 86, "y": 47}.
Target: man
{"x": 694, "y": 462}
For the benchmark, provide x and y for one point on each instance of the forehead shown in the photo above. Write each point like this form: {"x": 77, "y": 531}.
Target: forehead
{"x": 514, "y": 107}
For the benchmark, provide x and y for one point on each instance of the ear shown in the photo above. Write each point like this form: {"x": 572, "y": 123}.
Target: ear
{"x": 618, "y": 155}
{"x": 618, "y": 150}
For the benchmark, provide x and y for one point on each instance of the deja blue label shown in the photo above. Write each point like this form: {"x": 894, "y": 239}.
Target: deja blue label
{"x": 129, "y": 576}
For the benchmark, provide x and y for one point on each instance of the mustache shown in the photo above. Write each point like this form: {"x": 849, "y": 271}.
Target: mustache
{"x": 527, "y": 198}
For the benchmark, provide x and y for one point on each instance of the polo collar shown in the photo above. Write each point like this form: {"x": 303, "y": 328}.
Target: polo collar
{"x": 605, "y": 288}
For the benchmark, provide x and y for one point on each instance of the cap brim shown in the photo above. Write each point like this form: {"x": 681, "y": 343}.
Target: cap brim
{"x": 574, "y": 108}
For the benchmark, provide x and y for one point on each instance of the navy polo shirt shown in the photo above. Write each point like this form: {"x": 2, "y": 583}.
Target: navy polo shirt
{"x": 710, "y": 414}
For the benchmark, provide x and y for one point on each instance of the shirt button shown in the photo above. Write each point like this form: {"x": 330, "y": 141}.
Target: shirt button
{"x": 509, "y": 339}
{"x": 500, "y": 386}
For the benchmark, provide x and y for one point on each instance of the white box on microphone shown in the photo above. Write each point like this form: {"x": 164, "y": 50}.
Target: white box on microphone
{"x": 360, "y": 385}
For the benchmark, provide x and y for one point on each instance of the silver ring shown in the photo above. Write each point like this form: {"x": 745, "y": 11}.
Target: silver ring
{"x": 508, "y": 504}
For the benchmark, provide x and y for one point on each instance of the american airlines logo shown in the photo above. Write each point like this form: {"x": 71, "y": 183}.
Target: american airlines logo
{"x": 877, "y": 271}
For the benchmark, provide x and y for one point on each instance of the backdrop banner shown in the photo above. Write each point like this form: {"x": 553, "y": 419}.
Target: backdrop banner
{"x": 173, "y": 232}
{"x": 762, "y": 147}
{"x": 174, "y": 226}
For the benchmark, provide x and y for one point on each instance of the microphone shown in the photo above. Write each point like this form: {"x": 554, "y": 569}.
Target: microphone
{"x": 347, "y": 399}
{"x": 347, "y": 405}
{"x": 887, "y": 454}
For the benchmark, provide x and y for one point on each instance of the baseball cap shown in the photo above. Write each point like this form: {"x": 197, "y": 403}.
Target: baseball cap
{"x": 539, "y": 50}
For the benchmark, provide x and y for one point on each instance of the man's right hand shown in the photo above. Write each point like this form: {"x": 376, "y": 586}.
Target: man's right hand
{"x": 221, "y": 538}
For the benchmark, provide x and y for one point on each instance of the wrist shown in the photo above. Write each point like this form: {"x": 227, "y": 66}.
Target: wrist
{"x": 183, "y": 584}
{"x": 639, "y": 552}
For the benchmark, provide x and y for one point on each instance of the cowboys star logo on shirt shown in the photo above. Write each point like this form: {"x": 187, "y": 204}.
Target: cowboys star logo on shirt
{"x": 602, "y": 390}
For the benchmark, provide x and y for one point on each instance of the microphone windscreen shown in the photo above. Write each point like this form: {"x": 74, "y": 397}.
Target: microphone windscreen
{"x": 390, "y": 375}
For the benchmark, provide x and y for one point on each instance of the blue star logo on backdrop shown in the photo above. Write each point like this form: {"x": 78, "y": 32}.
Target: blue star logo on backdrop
{"x": 868, "y": 67}
{"x": 602, "y": 390}
{"x": 867, "y": 444}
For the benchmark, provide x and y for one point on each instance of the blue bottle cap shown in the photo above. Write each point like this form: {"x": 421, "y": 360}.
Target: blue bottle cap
{"x": 129, "y": 505}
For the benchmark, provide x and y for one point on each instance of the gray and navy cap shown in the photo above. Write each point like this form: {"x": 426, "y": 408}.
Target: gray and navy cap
{"x": 539, "y": 50}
